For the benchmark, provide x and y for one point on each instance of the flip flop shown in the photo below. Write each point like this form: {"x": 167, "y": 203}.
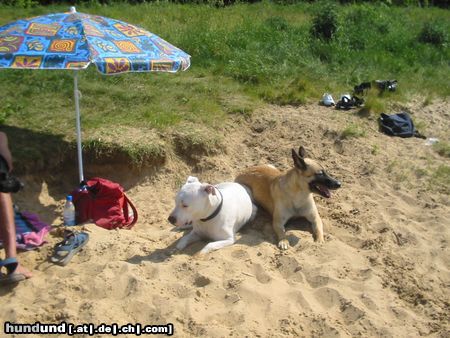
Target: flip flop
{"x": 65, "y": 250}
{"x": 10, "y": 264}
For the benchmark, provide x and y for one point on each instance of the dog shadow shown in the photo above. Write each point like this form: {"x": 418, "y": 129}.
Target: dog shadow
{"x": 165, "y": 254}
{"x": 253, "y": 234}
{"x": 298, "y": 223}
{"x": 157, "y": 256}
{"x": 260, "y": 230}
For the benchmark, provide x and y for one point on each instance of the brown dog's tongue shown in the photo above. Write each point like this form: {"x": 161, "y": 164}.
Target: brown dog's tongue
{"x": 325, "y": 191}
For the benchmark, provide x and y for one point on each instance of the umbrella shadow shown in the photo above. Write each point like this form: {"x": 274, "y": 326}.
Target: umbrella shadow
{"x": 38, "y": 160}
{"x": 47, "y": 165}
{"x": 35, "y": 151}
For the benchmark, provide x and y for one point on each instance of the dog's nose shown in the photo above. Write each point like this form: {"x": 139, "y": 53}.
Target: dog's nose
{"x": 338, "y": 184}
{"x": 172, "y": 219}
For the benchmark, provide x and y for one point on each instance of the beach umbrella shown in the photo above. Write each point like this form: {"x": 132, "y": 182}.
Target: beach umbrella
{"x": 74, "y": 40}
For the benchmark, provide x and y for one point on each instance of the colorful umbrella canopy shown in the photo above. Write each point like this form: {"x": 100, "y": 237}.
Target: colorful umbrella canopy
{"x": 75, "y": 40}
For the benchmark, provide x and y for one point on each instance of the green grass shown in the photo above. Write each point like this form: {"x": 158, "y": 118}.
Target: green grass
{"x": 242, "y": 56}
{"x": 440, "y": 179}
{"x": 375, "y": 103}
{"x": 353, "y": 130}
{"x": 375, "y": 149}
{"x": 442, "y": 148}
{"x": 191, "y": 141}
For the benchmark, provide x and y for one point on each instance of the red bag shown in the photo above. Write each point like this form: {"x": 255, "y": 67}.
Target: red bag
{"x": 105, "y": 203}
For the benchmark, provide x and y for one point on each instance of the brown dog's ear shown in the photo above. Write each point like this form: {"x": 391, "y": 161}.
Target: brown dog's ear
{"x": 302, "y": 152}
{"x": 209, "y": 189}
{"x": 299, "y": 162}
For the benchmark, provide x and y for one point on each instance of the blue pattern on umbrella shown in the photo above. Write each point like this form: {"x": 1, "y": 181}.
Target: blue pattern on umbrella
{"x": 74, "y": 40}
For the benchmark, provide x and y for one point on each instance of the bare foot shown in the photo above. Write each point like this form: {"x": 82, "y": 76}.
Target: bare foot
{"x": 24, "y": 271}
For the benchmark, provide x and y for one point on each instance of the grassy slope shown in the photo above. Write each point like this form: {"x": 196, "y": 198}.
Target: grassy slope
{"x": 241, "y": 56}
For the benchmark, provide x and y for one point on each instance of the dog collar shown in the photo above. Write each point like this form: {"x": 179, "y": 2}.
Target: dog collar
{"x": 216, "y": 212}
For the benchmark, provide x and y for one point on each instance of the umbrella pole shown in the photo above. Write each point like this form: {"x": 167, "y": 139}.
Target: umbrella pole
{"x": 77, "y": 109}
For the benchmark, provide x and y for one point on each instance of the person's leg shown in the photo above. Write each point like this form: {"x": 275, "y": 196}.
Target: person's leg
{"x": 8, "y": 230}
{"x": 7, "y": 225}
{"x": 4, "y": 150}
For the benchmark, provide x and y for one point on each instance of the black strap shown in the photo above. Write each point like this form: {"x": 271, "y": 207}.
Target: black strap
{"x": 419, "y": 134}
{"x": 216, "y": 212}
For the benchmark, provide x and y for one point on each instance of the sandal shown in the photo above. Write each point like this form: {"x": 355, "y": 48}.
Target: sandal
{"x": 11, "y": 276}
{"x": 347, "y": 102}
{"x": 362, "y": 88}
{"x": 390, "y": 85}
{"x": 65, "y": 250}
{"x": 357, "y": 102}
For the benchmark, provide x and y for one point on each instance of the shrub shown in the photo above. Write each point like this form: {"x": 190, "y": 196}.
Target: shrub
{"x": 277, "y": 23}
{"x": 325, "y": 22}
{"x": 20, "y": 3}
{"x": 287, "y": 2}
{"x": 434, "y": 34}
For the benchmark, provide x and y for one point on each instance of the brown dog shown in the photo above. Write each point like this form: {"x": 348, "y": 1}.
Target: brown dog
{"x": 287, "y": 195}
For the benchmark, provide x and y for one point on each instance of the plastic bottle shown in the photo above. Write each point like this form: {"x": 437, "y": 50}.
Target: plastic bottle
{"x": 69, "y": 212}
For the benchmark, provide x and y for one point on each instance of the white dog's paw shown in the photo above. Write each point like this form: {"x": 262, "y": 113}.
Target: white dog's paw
{"x": 319, "y": 238}
{"x": 283, "y": 244}
{"x": 205, "y": 250}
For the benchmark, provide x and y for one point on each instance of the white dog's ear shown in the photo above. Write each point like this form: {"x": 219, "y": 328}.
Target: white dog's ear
{"x": 192, "y": 179}
{"x": 209, "y": 189}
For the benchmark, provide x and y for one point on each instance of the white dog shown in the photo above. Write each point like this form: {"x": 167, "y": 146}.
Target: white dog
{"x": 216, "y": 213}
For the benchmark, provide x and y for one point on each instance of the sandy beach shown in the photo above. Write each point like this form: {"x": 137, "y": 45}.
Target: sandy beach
{"x": 383, "y": 270}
